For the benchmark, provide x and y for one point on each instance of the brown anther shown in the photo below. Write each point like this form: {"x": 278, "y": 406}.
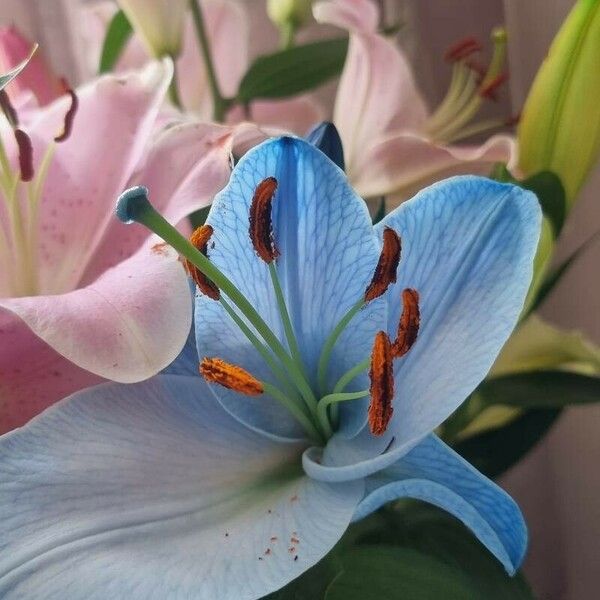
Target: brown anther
{"x": 8, "y": 109}
{"x": 489, "y": 89}
{"x": 385, "y": 271}
{"x": 382, "y": 384}
{"x": 69, "y": 115}
{"x": 199, "y": 239}
{"x": 215, "y": 370}
{"x": 261, "y": 228}
{"x": 408, "y": 328}
{"x": 462, "y": 49}
{"x": 25, "y": 154}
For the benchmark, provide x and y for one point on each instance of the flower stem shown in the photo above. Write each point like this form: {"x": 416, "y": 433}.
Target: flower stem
{"x": 326, "y": 401}
{"x": 220, "y": 104}
{"x": 347, "y": 377}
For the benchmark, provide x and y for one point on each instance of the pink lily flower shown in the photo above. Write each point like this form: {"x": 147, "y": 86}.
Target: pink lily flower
{"x": 83, "y": 298}
{"x": 392, "y": 144}
{"x": 227, "y": 27}
{"x": 37, "y": 77}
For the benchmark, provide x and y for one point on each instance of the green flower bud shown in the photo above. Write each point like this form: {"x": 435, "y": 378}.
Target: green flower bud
{"x": 286, "y": 13}
{"x": 560, "y": 125}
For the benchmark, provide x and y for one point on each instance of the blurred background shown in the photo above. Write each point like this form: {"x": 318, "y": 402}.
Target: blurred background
{"x": 558, "y": 483}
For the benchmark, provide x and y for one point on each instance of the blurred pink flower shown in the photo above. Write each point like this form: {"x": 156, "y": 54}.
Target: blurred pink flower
{"x": 391, "y": 143}
{"x": 37, "y": 78}
{"x": 81, "y": 296}
{"x": 228, "y": 31}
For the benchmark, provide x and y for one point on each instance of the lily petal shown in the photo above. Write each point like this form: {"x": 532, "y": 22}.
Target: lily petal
{"x": 354, "y": 15}
{"x": 403, "y": 161}
{"x": 118, "y": 327}
{"x": 33, "y": 376}
{"x": 152, "y": 490}
{"x": 111, "y": 128}
{"x": 436, "y": 474}
{"x": 328, "y": 256}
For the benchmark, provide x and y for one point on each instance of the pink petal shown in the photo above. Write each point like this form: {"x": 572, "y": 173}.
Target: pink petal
{"x": 296, "y": 115}
{"x": 403, "y": 163}
{"x": 185, "y": 168}
{"x": 88, "y": 171}
{"x": 36, "y": 77}
{"x": 227, "y": 28}
{"x": 33, "y": 376}
{"x": 354, "y": 15}
{"x": 126, "y": 326}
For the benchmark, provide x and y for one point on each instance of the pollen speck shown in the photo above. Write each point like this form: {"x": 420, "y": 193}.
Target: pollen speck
{"x": 199, "y": 239}
{"x": 160, "y": 249}
{"x": 382, "y": 384}
{"x": 385, "y": 271}
{"x": 408, "y": 327}
{"x": 215, "y": 370}
{"x": 261, "y": 227}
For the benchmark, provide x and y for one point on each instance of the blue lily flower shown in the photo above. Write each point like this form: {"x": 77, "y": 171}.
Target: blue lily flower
{"x": 328, "y": 360}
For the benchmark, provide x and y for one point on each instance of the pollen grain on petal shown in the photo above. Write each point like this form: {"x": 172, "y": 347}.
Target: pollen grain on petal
{"x": 382, "y": 384}
{"x": 385, "y": 271}
{"x": 408, "y": 328}
{"x": 199, "y": 239}
{"x": 261, "y": 225}
{"x": 69, "y": 115}
{"x": 215, "y": 370}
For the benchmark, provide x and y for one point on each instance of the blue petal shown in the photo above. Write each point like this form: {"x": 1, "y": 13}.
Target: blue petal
{"x": 326, "y": 138}
{"x": 153, "y": 491}
{"x": 468, "y": 247}
{"x": 436, "y": 474}
{"x": 328, "y": 255}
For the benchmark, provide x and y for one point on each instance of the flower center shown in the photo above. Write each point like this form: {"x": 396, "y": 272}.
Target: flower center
{"x": 21, "y": 191}
{"x": 471, "y": 85}
{"x": 315, "y": 409}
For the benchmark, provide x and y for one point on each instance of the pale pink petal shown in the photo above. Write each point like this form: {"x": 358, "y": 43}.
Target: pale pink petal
{"x": 355, "y": 15}
{"x": 88, "y": 171}
{"x": 185, "y": 168}
{"x": 127, "y": 325}
{"x": 296, "y": 115}
{"x": 37, "y": 77}
{"x": 376, "y": 92}
{"x": 33, "y": 376}
{"x": 405, "y": 162}
{"x": 227, "y": 27}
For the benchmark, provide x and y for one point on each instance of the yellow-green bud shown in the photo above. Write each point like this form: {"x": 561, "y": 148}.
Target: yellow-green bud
{"x": 560, "y": 124}
{"x": 286, "y": 13}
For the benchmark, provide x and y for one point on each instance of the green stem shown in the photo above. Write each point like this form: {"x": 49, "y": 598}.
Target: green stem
{"x": 220, "y": 104}
{"x": 348, "y": 376}
{"x": 330, "y": 343}
{"x": 326, "y": 401}
{"x": 288, "y": 33}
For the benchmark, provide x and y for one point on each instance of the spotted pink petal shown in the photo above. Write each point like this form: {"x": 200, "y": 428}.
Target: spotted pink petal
{"x": 37, "y": 77}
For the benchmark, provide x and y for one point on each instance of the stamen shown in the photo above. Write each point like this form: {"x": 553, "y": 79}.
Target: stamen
{"x": 215, "y": 370}
{"x": 199, "y": 239}
{"x": 25, "y": 155}
{"x": 69, "y": 115}
{"x": 408, "y": 328}
{"x": 462, "y": 49}
{"x": 385, "y": 271}
{"x": 488, "y": 89}
{"x": 382, "y": 384}
{"x": 8, "y": 109}
{"x": 261, "y": 230}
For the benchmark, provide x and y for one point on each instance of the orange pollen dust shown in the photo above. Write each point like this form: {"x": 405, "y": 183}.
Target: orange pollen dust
{"x": 261, "y": 228}
{"x": 199, "y": 239}
{"x": 215, "y": 370}
{"x": 385, "y": 271}
{"x": 382, "y": 384}
{"x": 408, "y": 328}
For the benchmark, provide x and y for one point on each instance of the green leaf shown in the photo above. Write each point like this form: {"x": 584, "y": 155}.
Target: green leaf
{"x": 293, "y": 71}
{"x": 117, "y": 35}
{"x": 415, "y": 550}
{"x": 551, "y": 194}
{"x": 540, "y": 389}
{"x": 6, "y": 78}
{"x": 495, "y": 451}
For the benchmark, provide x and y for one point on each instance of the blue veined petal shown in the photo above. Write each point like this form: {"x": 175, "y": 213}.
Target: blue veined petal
{"x": 151, "y": 490}
{"x": 468, "y": 245}
{"x": 326, "y": 138}
{"x": 436, "y": 474}
{"x": 328, "y": 255}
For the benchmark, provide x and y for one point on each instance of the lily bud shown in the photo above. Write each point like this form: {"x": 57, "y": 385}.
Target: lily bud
{"x": 289, "y": 14}
{"x": 560, "y": 124}
{"x": 159, "y": 24}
